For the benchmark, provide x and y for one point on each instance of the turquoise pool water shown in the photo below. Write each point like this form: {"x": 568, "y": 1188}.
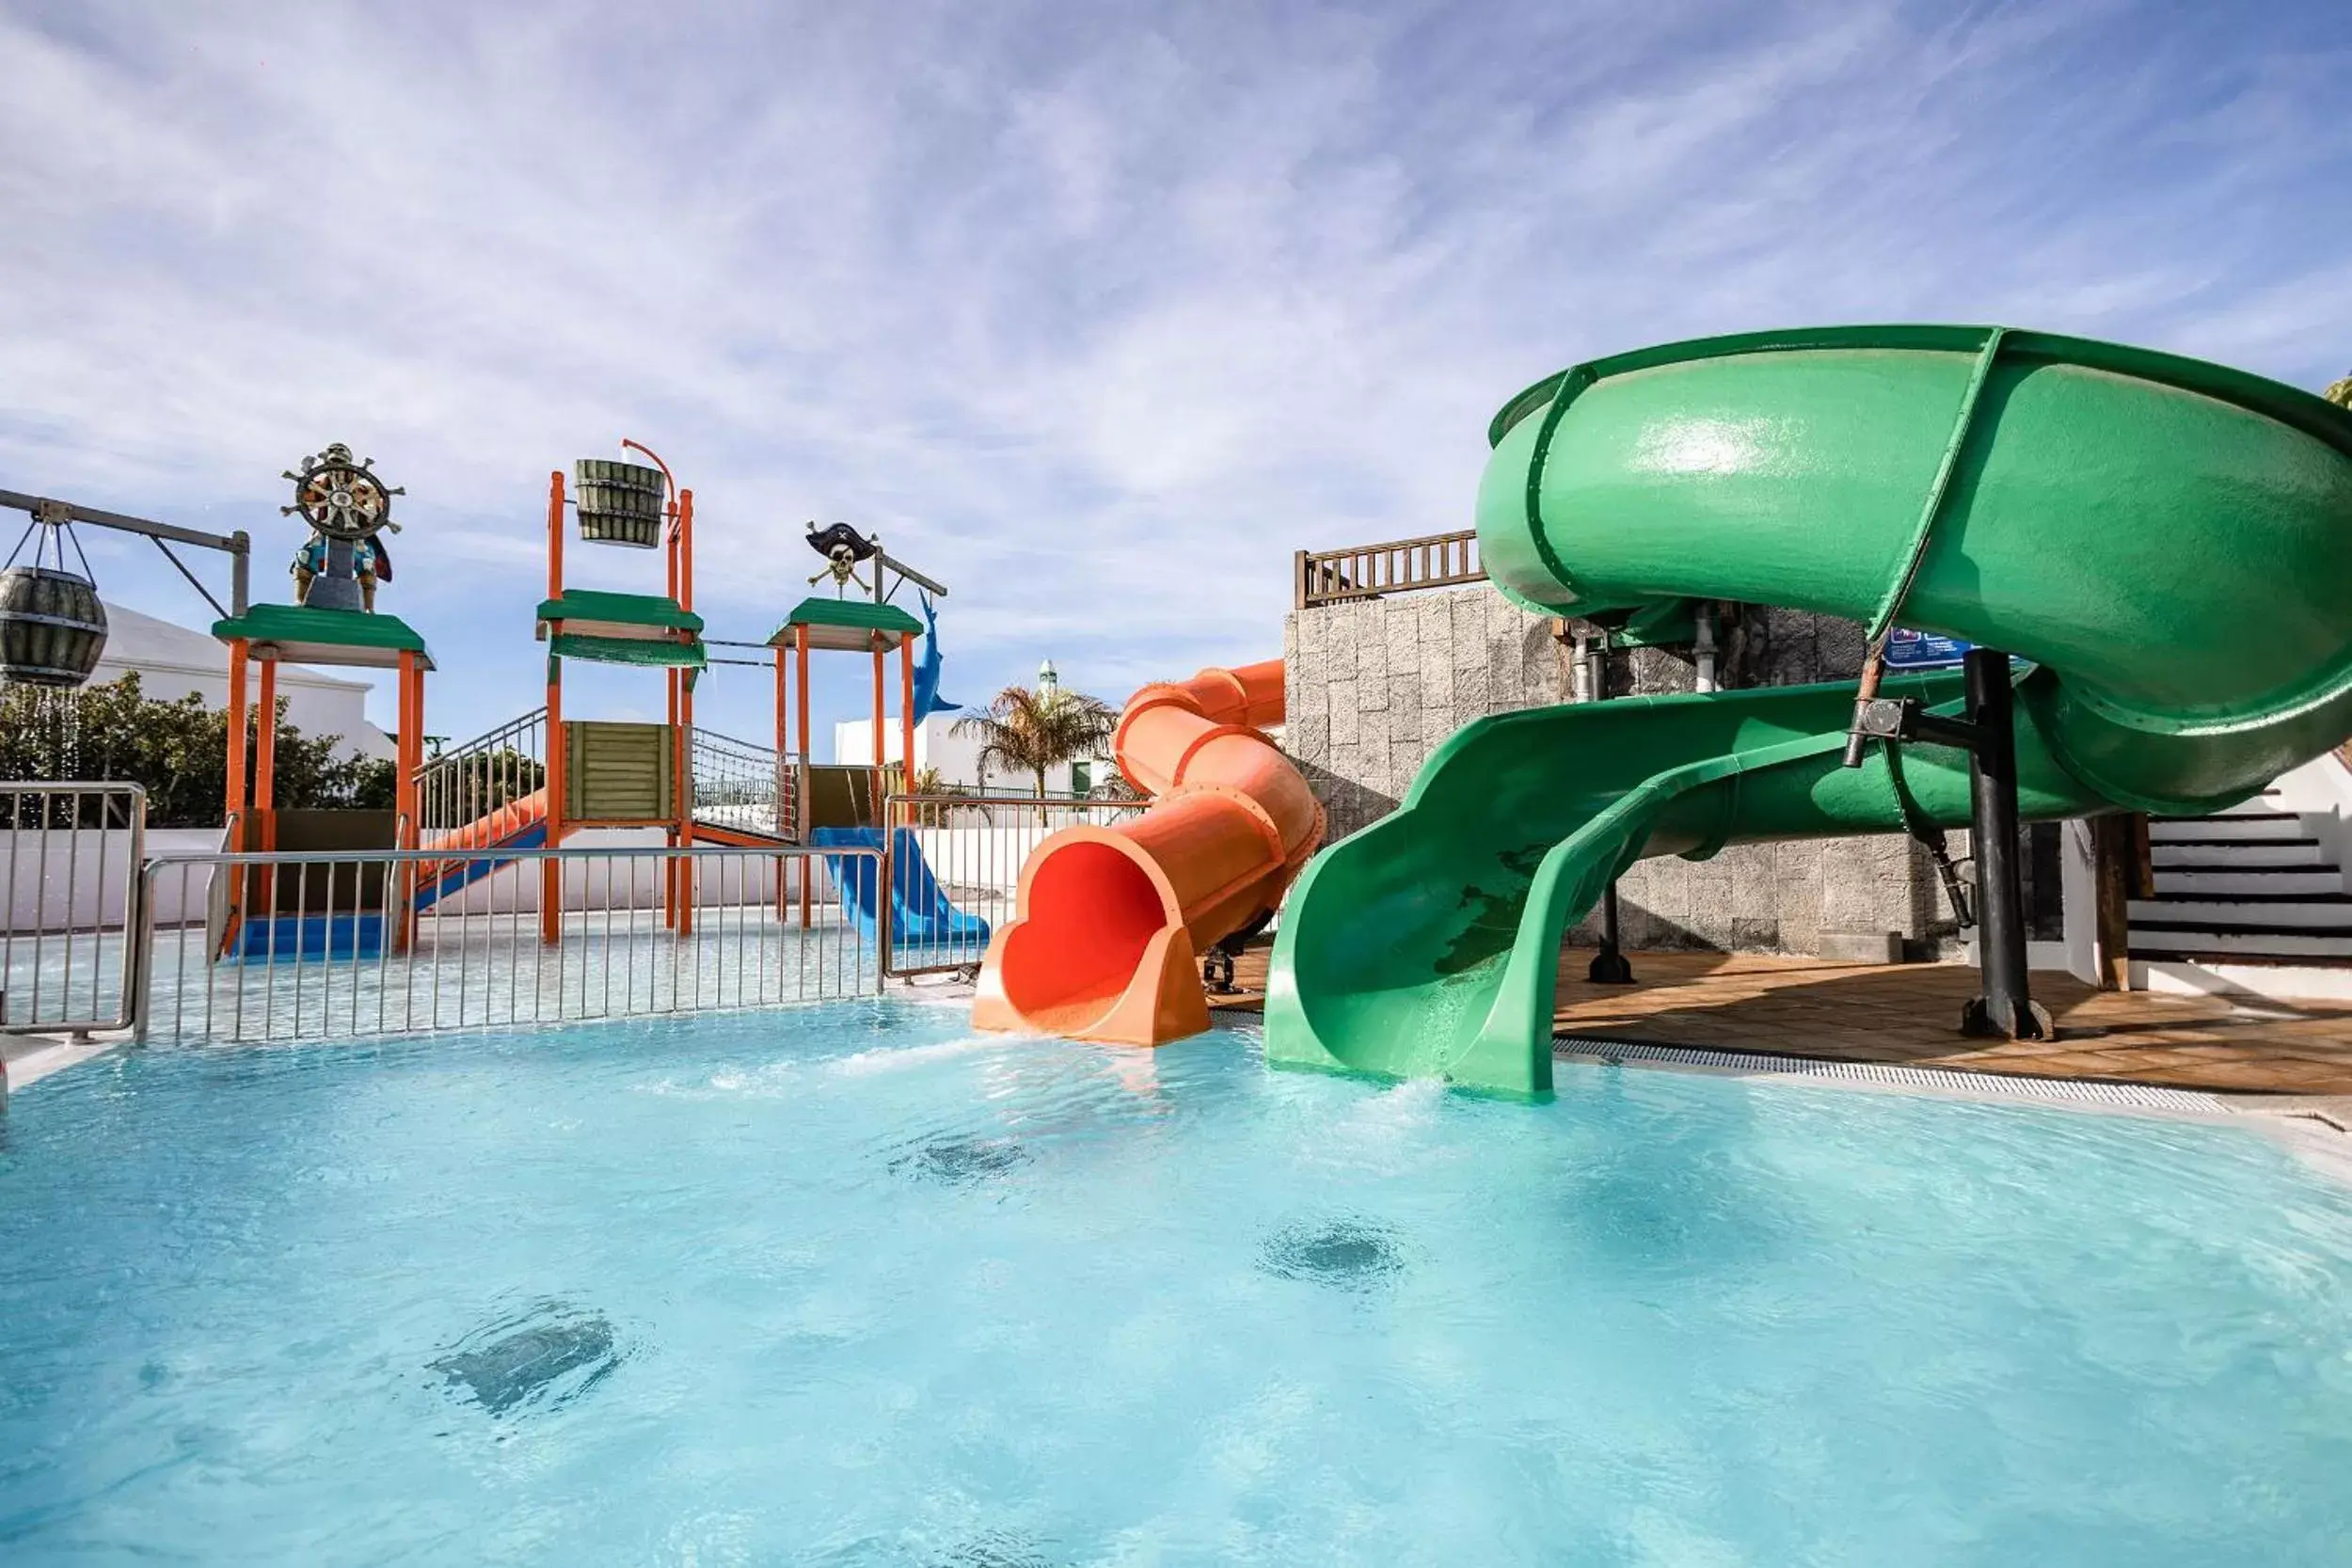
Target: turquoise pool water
{"x": 847, "y": 1286}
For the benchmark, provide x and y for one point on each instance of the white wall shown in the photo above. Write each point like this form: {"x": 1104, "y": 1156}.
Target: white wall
{"x": 80, "y": 880}
{"x": 635, "y": 882}
{"x": 955, "y": 757}
{"x": 173, "y": 661}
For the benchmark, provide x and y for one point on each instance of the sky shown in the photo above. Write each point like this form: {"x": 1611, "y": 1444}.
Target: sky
{"x": 1094, "y": 311}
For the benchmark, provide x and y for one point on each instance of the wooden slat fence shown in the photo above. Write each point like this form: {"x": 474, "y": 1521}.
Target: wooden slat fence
{"x": 1400, "y": 565}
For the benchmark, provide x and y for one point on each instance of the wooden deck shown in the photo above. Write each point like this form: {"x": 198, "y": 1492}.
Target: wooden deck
{"x": 1906, "y": 1014}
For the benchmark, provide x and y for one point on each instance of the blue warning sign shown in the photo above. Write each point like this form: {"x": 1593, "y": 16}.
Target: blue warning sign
{"x": 1923, "y": 650}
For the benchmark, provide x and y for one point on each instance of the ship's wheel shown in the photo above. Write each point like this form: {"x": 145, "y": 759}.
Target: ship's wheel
{"x": 341, "y": 497}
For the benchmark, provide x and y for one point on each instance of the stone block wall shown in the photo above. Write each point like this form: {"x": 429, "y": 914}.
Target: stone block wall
{"x": 1777, "y": 897}
{"x": 1372, "y": 686}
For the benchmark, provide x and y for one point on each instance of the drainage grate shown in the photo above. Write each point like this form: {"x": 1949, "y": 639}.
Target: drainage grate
{"x": 2139, "y": 1096}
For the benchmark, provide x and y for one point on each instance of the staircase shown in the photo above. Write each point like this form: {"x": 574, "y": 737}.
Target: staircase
{"x": 470, "y": 781}
{"x": 2257, "y": 886}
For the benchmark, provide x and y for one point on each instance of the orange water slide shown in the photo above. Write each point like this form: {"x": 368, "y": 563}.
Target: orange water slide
{"x": 493, "y": 830}
{"x": 1110, "y": 923}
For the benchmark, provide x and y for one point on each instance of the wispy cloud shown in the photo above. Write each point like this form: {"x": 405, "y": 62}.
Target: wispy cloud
{"x": 1095, "y": 311}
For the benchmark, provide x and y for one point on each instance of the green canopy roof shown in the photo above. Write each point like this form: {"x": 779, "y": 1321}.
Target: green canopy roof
{"x": 307, "y": 636}
{"x": 642, "y": 616}
{"x": 847, "y": 625}
{"x": 628, "y": 649}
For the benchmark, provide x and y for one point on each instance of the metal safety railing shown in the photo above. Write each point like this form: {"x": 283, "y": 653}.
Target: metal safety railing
{"x": 332, "y": 945}
{"x": 1397, "y": 566}
{"x": 953, "y": 867}
{"x": 72, "y": 861}
{"x": 492, "y": 769}
{"x": 744, "y": 786}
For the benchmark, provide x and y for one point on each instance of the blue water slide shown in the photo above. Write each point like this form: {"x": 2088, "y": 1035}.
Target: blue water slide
{"x": 470, "y": 867}
{"x": 924, "y": 925}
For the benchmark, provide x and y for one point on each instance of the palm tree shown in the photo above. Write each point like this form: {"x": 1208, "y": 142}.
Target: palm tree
{"x": 1023, "y": 731}
{"x": 2340, "y": 393}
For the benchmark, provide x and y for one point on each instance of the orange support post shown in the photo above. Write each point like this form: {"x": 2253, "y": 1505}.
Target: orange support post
{"x": 878, "y": 720}
{"x": 238, "y": 820}
{"x": 555, "y": 534}
{"x": 407, "y": 833}
{"x": 265, "y": 756}
{"x": 671, "y": 682}
{"x": 906, "y": 713}
{"x": 415, "y": 758}
{"x": 682, "y": 876}
{"x": 266, "y": 778}
{"x": 882, "y": 810}
{"x": 799, "y": 654}
{"x": 784, "y": 766}
{"x": 237, "y": 813}
{"x": 678, "y": 583}
{"x": 410, "y": 748}
{"x": 551, "y": 870}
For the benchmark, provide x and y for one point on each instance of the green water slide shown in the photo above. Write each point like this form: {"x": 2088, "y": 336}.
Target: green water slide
{"x": 2168, "y": 542}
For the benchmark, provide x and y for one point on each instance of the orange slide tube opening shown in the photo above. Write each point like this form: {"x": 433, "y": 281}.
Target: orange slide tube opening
{"x": 1109, "y": 922}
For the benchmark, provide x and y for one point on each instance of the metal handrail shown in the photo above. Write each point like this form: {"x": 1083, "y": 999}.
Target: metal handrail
{"x": 974, "y": 848}
{"x": 487, "y": 772}
{"x": 365, "y": 960}
{"x": 39, "y": 939}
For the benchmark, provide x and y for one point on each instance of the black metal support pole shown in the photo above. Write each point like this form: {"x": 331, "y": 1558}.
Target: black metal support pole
{"x": 1609, "y": 967}
{"x": 2004, "y": 1008}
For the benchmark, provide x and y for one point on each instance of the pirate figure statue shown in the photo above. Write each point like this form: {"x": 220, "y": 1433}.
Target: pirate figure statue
{"x": 843, "y": 548}
{"x": 348, "y": 509}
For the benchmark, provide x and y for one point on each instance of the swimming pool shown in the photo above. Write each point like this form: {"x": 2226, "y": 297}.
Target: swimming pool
{"x": 844, "y": 1285}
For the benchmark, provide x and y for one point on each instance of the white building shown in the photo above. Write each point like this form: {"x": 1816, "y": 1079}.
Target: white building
{"x": 957, "y": 756}
{"x": 172, "y": 660}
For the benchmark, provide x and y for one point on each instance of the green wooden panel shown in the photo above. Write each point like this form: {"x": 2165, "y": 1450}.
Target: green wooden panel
{"x": 615, "y": 773}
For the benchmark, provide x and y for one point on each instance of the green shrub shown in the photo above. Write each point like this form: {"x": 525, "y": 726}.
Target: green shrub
{"x": 178, "y": 749}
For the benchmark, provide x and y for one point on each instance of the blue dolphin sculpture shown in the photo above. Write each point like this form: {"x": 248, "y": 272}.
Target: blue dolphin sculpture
{"x": 927, "y": 698}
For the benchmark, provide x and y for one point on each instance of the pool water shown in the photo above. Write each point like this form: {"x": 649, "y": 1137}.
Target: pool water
{"x": 848, "y": 1286}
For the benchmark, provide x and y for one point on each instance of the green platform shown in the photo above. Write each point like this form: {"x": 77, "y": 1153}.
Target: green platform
{"x": 301, "y": 635}
{"x": 2170, "y": 542}
{"x": 646, "y": 629}
{"x": 848, "y": 625}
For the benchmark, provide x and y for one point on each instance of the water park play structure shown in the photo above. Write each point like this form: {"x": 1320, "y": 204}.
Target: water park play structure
{"x": 480, "y": 841}
{"x": 1110, "y": 923}
{"x": 694, "y": 787}
{"x": 2165, "y": 543}
{"x": 474, "y": 812}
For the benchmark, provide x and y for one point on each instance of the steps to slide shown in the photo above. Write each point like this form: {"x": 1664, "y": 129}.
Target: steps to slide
{"x": 2262, "y": 884}
{"x": 1110, "y": 923}
{"x": 2166, "y": 541}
